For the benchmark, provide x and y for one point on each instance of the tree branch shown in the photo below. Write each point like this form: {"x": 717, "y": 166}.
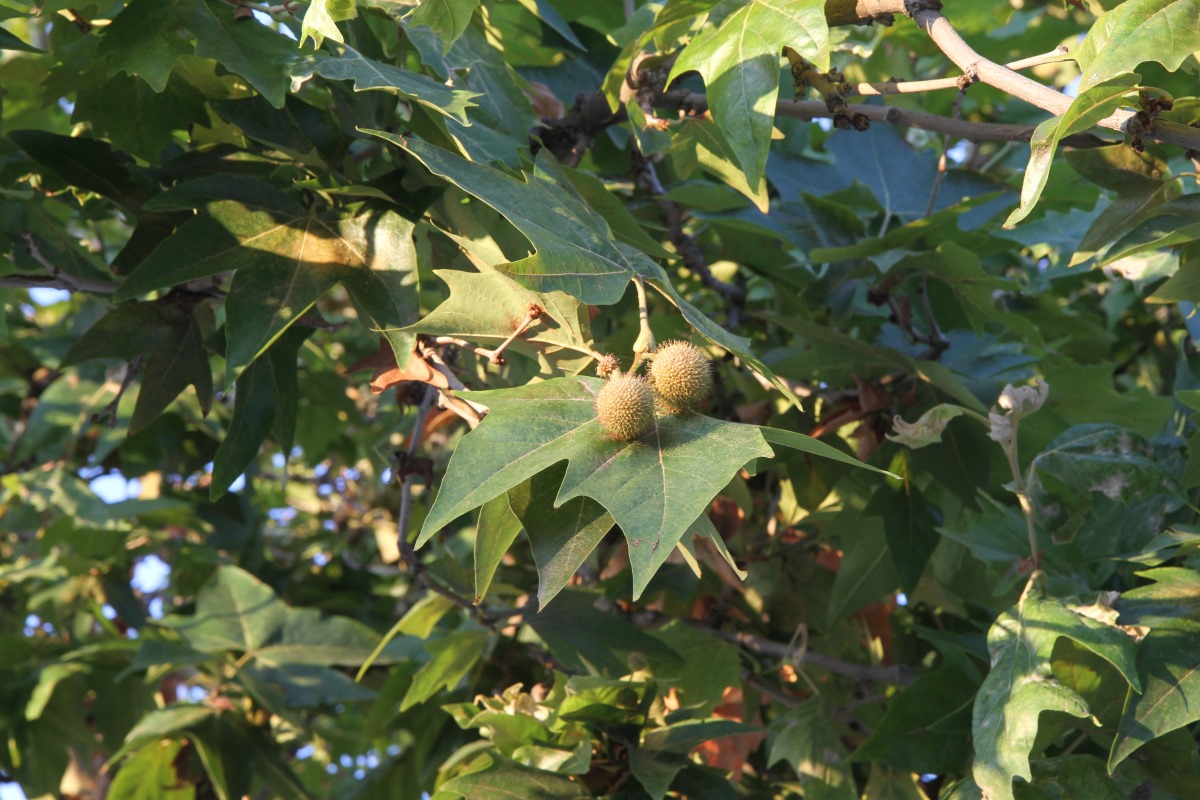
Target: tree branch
{"x": 976, "y": 66}
{"x": 1060, "y": 53}
{"x": 898, "y": 673}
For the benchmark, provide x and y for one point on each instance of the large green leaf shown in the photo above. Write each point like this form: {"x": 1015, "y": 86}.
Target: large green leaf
{"x": 235, "y": 612}
{"x": 368, "y": 73}
{"x": 584, "y": 638}
{"x": 574, "y": 251}
{"x": 448, "y": 19}
{"x": 147, "y": 39}
{"x": 1136, "y": 31}
{"x": 284, "y": 258}
{"x": 450, "y": 658}
{"x": 244, "y": 46}
{"x": 265, "y": 401}
{"x": 1020, "y": 685}
{"x": 739, "y": 60}
{"x": 654, "y": 486}
{"x": 151, "y": 775}
{"x": 1088, "y": 108}
{"x": 488, "y": 306}
{"x": 169, "y": 333}
{"x": 804, "y": 739}
{"x": 1168, "y": 659}
{"x": 927, "y": 727}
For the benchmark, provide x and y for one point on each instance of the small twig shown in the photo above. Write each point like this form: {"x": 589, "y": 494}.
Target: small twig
{"x": 687, "y": 247}
{"x": 482, "y": 352}
{"x": 1060, "y": 53}
{"x": 108, "y": 414}
{"x": 532, "y": 315}
{"x": 61, "y": 279}
{"x": 898, "y": 673}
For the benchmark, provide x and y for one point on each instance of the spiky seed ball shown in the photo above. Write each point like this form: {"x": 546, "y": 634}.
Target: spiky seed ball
{"x": 625, "y": 407}
{"x": 681, "y": 375}
{"x": 607, "y": 365}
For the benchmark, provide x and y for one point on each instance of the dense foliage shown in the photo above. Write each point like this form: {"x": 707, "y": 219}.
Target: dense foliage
{"x": 307, "y": 306}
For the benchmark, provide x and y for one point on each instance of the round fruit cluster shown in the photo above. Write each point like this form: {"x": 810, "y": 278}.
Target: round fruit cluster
{"x": 680, "y": 377}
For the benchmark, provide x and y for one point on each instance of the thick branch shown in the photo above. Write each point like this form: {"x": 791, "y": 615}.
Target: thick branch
{"x": 974, "y": 65}
{"x": 961, "y": 129}
{"x": 916, "y": 87}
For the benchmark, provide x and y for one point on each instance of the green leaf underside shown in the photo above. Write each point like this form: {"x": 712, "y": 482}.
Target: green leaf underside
{"x": 1020, "y": 685}
{"x": 1088, "y": 108}
{"x": 1168, "y": 658}
{"x": 368, "y": 73}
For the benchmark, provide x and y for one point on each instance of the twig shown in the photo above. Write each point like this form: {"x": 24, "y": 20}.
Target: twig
{"x": 909, "y": 118}
{"x": 689, "y": 250}
{"x": 404, "y": 517}
{"x": 876, "y": 89}
{"x": 108, "y": 414}
{"x": 463, "y": 344}
{"x": 532, "y": 315}
{"x": 898, "y": 673}
{"x": 61, "y": 279}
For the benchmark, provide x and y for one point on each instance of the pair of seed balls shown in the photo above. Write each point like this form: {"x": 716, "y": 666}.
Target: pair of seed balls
{"x": 680, "y": 377}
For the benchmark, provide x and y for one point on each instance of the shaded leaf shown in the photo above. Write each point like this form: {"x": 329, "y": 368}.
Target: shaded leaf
{"x": 497, "y": 529}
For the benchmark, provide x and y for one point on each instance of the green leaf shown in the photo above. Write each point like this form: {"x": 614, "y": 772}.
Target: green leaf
{"x": 928, "y": 428}
{"x": 561, "y": 538}
{"x": 1167, "y": 659}
{"x": 498, "y": 528}
{"x": 501, "y": 779}
{"x": 1086, "y": 460}
{"x": 235, "y": 612}
{"x": 446, "y": 18}
{"x": 151, "y": 775}
{"x": 488, "y": 306}
{"x": 367, "y": 73}
{"x": 147, "y": 39}
{"x": 265, "y": 399}
{"x": 170, "y": 334}
{"x": 574, "y": 251}
{"x": 867, "y": 572}
{"x": 243, "y": 46}
{"x": 910, "y": 523}
{"x": 584, "y": 638}
{"x": 285, "y": 258}
{"x": 804, "y": 739}
{"x": 739, "y": 60}
{"x": 9, "y": 41}
{"x": 1088, "y": 108}
{"x": 654, "y": 486}
{"x": 450, "y": 659}
{"x": 1020, "y": 685}
{"x": 700, "y": 144}
{"x": 85, "y": 163}
{"x": 321, "y": 18}
{"x": 1137, "y": 31}
{"x": 664, "y": 751}
{"x": 927, "y": 727}
{"x": 708, "y": 665}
